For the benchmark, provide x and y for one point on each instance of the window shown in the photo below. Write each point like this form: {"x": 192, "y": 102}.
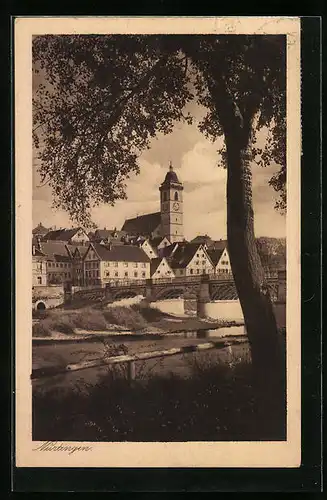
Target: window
{"x": 164, "y": 196}
{"x": 116, "y": 265}
{"x": 116, "y": 273}
{"x": 191, "y": 271}
{"x": 198, "y": 255}
{"x": 198, "y": 271}
{"x": 107, "y": 274}
{"x": 135, "y": 264}
{"x": 135, "y": 274}
{"x": 125, "y": 264}
{"x": 39, "y": 280}
{"x": 143, "y": 274}
{"x": 176, "y": 196}
{"x": 126, "y": 274}
{"x": 196, "y": 262}
{"x": 143, "y": 264}
{"x": 203, "y": 262}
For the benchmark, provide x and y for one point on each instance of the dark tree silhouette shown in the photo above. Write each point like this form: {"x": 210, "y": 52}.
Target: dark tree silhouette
{"x": 105, "y": 97}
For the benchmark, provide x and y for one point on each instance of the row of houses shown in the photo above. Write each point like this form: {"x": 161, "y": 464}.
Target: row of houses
{"x": 72, "y": 255}
{"x": 100, "y": 263}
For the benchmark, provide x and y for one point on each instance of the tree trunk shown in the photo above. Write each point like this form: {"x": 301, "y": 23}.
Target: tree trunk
{"x": 250, "y": 282}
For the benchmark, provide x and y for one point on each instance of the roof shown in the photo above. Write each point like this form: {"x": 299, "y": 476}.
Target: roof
{"x": 154, "y": 264}
{"x": 184, "y": 254}
{"x": 217, "y": 244}
{"x": 143, "y": 225}
{"x": 168, "y": 250}
{"x": 40, "y": 229}
{"x": 55, "y": 250}
{"x": 81, "y": 248}
{"x": 215, "y": 254}
{"x": 102, "y": 234}
{"x": 171, "y": 177}
{"x": 38, "y": 253}
{"x": 202, "y": 239}
{"x": 125, "y": 253}
{"x": 62, "y": 234}
{"x": 154, "y": 242}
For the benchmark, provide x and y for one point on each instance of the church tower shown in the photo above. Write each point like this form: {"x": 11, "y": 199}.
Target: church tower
{"x": 171, "y": 207}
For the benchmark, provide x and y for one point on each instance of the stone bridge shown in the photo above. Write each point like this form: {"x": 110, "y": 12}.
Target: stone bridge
{"x": 218, "y": 288}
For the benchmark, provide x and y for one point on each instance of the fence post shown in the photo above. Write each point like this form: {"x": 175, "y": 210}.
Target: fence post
{"x": 131, "y": 371}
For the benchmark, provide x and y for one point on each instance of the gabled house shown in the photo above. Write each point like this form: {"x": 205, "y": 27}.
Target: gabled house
{"x": 159, "y": 243}
{"x": 59, "y": 265}
{"x": 77, "y": 255}
{"x": 145, "y": 245}
{"x": 103, "y": 264}
{"x": 220, "y": 259}
{"x": 39, "y": 267}
{"x": 160, "y": 268}
{"x": 191, "y": 259}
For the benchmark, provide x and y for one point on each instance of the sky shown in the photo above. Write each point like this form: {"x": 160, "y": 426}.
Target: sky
{"x": 196, "y": 163}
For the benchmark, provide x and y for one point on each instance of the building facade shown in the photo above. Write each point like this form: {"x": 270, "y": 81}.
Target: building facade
{"x": 171, "y": 207}
{"x": 108, "y": 264}
{"x": 39, "y": 268}
{"x": 191, "y": 260}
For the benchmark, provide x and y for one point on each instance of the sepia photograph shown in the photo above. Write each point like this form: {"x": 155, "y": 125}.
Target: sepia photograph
{"x": 162, "y": 240}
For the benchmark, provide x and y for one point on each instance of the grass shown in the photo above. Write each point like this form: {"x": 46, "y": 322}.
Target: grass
{"x": 218, "y": 402}
{"x": 94, "y": 319}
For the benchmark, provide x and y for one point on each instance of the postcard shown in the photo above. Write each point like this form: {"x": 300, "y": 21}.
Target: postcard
{"x": 157, "y": 177}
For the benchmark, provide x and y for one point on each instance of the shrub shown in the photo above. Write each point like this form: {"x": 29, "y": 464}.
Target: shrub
{"x": 89, "y": 319}
{"x": 217, "y": 404}
{"x": 41, "y": 330}
{"x": 150, "y": 314}
{"x": 62, "y": 326}
{"x": 125, "y": 316}
{"x": 40, "y": 313}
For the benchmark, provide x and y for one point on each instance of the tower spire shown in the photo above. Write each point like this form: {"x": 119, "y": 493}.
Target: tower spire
{"x": 170, "y": 166}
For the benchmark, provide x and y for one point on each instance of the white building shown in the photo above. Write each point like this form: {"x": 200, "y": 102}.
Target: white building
{"x": 191, "y": 259}
{"x": 103, "y": 264}
{"x": 160, "y": 268}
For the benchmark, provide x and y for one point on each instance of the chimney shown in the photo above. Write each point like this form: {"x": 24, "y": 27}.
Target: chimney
{"x": 38, "y": 239}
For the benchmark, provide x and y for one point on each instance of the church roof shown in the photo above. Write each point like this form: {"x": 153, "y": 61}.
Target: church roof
{"x": 142, "y": 225}
{"x": 171, "y": 177}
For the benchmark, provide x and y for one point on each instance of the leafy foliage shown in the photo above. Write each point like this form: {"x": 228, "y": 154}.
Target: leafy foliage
{"x": 106, "y": 97}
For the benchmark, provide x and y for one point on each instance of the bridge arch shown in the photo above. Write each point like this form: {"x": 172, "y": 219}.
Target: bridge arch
{"x": 224, "y": 292}
{"x": 125, "y": 294}
{"x": 170, "y": 293}
{"x": 40, "y": 305}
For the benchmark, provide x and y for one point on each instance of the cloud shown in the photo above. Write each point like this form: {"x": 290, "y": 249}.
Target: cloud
{"x": 196, "y": 163}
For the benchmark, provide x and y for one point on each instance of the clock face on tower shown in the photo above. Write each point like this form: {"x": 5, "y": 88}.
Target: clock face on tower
{"x": 176, "y": 206}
